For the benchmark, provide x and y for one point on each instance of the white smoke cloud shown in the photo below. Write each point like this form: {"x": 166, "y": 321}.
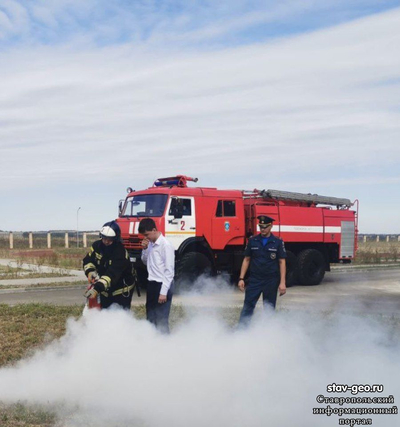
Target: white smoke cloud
{"x": 111, "y": 369}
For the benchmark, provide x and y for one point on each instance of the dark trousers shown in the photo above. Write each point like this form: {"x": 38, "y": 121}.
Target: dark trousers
{"x": 267, "y": 287}
{"x": 157, "y": 313}
{"x": 123, "y": 301}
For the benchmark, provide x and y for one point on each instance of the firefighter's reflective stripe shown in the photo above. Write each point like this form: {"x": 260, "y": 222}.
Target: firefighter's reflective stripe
{"x": 106, "y": 281}
{"x": 123, "y": 290}
{"x": 118, "y": 291}
{"x": 89, "y": 266}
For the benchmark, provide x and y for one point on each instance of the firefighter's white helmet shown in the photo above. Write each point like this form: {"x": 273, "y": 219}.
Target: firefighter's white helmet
{"x": 110, "y": 230}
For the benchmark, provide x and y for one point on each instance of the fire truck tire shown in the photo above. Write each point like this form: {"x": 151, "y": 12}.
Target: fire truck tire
{"x": 190, "y": 267}
{"x": 291, "y": 269}
{"x": 311, "y": 267}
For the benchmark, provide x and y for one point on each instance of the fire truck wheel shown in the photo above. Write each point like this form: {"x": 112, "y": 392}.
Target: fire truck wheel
{"x": 311, "y": 267}
{"x": 291, "y": 269}
{"x": 190, "y": 267}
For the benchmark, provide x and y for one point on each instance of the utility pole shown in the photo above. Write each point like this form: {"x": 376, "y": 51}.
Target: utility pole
{"x": 77, "y": 227}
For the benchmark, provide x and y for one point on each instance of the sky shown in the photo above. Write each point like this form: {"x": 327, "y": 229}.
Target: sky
{"x": 293, "y": 95}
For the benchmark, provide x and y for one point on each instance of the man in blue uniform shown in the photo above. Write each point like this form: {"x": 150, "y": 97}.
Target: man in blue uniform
{"x": 265, "y": 254}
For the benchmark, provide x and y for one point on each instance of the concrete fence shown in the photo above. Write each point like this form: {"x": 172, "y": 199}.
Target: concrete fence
{"x": 70, "y": 239}
{"x": 388, "y": 238}
{"x": 12, "y": 238}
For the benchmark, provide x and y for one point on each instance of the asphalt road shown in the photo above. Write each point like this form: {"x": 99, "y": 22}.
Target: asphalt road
{"x": 349, "y": 290}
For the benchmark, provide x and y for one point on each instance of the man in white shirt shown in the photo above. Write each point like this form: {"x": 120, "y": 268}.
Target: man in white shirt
{"x": 159, "y": 256}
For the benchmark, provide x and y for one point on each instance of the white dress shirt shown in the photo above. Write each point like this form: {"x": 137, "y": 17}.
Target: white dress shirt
{"x": 159, "y": 257}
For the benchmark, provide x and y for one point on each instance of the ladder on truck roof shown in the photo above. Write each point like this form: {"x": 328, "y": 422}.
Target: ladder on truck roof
{"x": 303, "y": 197}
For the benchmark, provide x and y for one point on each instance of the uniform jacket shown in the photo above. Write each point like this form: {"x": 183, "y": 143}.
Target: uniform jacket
{"x": 112, "y": 265}
{"x": 264, "y": 259}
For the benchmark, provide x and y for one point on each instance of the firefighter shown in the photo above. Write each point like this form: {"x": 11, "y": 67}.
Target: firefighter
{"x": 265, "y": 255}
{"x": 108, "y": 269}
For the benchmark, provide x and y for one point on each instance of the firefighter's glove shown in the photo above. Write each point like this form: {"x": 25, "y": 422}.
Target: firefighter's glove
{"x": 91, "y": 293}
{"x": 93, "y": 277}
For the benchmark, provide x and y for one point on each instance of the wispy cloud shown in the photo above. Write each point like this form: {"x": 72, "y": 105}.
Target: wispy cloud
{"x": 173, "y": 23}
{"x": 313, "y": 108}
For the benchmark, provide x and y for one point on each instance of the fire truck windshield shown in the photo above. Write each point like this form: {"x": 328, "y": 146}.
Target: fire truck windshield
{"x": 145, "y": 205}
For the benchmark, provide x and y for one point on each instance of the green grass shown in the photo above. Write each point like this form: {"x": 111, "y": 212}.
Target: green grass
{"x": 59, "y": 257}
{"x": 26, "y": 327}
{"x": 7, "y": 272}
{"x": 19, "y": 415}
{"x": 31, "y": 275}
{"x": 77, "y": 283}
{"x": 5, "y": 269}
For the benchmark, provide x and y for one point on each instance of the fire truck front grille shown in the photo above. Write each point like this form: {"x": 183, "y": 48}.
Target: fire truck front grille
{"x": 133, "y": 243}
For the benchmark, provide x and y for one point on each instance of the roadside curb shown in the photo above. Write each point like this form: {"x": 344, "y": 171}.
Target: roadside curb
{"x": 363, "y": 267}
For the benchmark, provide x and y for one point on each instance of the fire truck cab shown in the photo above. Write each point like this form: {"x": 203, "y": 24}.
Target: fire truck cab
{"x": 209, "y": 227}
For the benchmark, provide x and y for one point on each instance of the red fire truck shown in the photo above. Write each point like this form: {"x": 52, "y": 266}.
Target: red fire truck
{"x": 209, "y": 228}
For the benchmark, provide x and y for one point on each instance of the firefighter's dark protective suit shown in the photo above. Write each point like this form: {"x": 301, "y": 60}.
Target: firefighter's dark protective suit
{"x": 117, "y": 279}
